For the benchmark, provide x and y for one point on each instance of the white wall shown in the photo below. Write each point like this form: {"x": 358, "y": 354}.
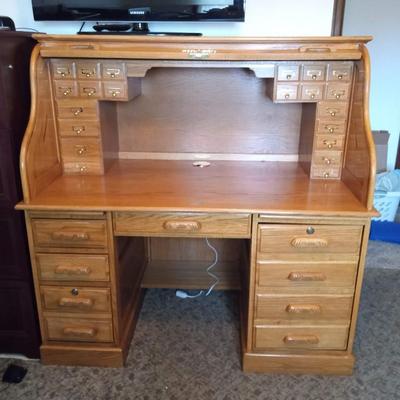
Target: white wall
{"x": 382, "y": 20}
{"x": 263, "y": 18}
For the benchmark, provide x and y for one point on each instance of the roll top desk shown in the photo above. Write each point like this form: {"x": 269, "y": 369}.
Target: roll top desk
{"x": 138, "y": 148}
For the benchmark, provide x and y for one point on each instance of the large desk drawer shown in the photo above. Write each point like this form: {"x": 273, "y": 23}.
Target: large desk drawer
{"x": 73, "y": 267}
{"x": 76, "y": 299}
{"x": 79, "y": 329}
{"x": 182, "y": 224}
{"x": 298, "y": 277}
{"x": 69, "y": 233}
{"x": 305, "y": 337}
{"x": 300, "y": 239}
{"x": 303, "y": 310}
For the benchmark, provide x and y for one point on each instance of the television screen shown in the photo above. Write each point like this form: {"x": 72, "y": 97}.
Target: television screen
{"x": 138, "y": 10}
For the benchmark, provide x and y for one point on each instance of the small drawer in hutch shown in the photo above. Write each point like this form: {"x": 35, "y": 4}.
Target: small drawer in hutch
{"x": 79, "y": 149}
{"x": 300, "y": 239}
{"x": 69, "y": 233}
{"x": 332, "y": 111}
{"x": 70, "y": 128}
{"x": 77, "y": 109}
{"x": 65, "y": 89}
{"x": 340, "y": 71}
{"x": 73, "y": 267}
{"x": 298, "y": 277}
{"x": 327, "y": 158}
{"x": 79, "y": 329}
{"x": 325, "y": 172}
{"x": 313, "y": 72}
{"x": 88, "y": 70}
{"x": 329, "y": 142}
{"x": 327, "y": 127}
{"x": 63, "y": 69}
{"x": 113, "y": 71}
{"x": 76, "y": 299}
{"x": 338, "y": 91}
{"x": 115, "y": 90}
{"x": 301, "y": 337}
{"x": 306, "y": 309}
{"x": 84, "y": 167}
{"x": 287, "y": 92}
{"x": 90, "y": 89}
{"x": 312, "y": 92}
{"x": 288, "y": 72}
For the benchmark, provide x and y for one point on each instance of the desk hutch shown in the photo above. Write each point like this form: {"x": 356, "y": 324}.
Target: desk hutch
{"x": 114, "y": 202}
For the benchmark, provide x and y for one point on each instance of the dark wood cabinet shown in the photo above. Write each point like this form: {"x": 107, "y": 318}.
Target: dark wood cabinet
{"x": 19, "y": 332}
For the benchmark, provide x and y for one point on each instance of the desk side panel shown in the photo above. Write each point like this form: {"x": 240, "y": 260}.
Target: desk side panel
{"x": 40, "y": 160}
{"x": 360, "y": 159}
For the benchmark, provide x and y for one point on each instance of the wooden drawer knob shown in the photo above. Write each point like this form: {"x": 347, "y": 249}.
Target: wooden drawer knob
{"x": 75, "y": 302}
{"x": 80, "y": 332}
{"x": 307, "y": 243}
{"x": 303, "y": 309}
{"x": 72, "y": 270}
{"x": 73, "y": 236}
{"x": 301, "y": 339}
{"x": 306, "y": 277}
{"x": 186, "y": 226}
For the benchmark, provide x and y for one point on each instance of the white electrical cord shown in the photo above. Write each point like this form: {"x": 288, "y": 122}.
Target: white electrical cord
{"x": 184, "y": 295}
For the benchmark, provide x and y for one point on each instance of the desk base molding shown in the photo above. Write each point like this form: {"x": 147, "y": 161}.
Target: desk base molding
{"x": 84, "y": 356}
{"x": 314, "y": 364}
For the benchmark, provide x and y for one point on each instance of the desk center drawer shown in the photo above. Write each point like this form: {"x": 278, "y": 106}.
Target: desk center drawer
{"x": 182, "y": 224}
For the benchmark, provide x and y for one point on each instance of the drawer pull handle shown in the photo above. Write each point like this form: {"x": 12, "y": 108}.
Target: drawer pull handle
{"x": 81, "y": 150}
{"x": 306, "y": 243}
{"x": 306, "y": 277}
{"x": 67, "y": 92}
{"x": 332, "y": 113}
{"x": 314, "y": 77}
{"x": 113, "y": 73}
{"x": 315, "y": 49}
{"x": 312, "y": 96}
{"x": 301, "y": 339}
{"x": 327, "y": 161}
{"x": 82, "y": 168}
{"x": 338, "y": 96}
{"x": 74, "y": 236}
{"x": 78, "y": 129}
{"x": 77, "y": 111}
{"x": 329, "y": 144}
{"x": 75, "y": 302}
{"x": 330, "y": 130}
{"x": 186, "y": 226}
{"x": 80, "y": 332}
{"x": 71, "y": 270}
{"x": 287, "y": 96}
{"x": 87, "y": 72}
{"x": 82, "y": 47}
{"x": 288, "y": 77}
{"x": 89, "y": 91}
{"x": 303, "y": 309}
{"x": 340, "y": 77}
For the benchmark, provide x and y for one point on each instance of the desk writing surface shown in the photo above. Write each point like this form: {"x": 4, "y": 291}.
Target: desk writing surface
{"x": 225, "y": 186}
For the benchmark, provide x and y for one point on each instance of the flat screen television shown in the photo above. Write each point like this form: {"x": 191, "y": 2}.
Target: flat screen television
{"x": 138, "y": 10}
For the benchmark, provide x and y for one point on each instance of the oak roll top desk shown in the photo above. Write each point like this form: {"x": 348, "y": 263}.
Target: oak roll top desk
{"x": 138, "y": 148}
